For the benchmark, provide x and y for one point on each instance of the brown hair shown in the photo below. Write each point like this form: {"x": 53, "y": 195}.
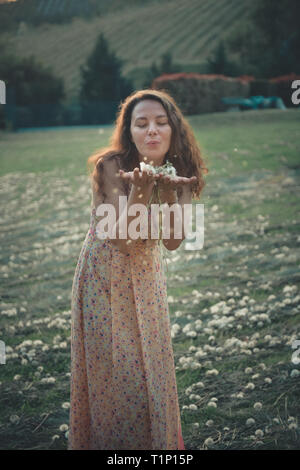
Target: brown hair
{"x": 183, "y": 153}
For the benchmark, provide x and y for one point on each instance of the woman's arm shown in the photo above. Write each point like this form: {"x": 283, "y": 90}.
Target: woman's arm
{"x": 140, "y": 193}
{"x": 170, "y": 197}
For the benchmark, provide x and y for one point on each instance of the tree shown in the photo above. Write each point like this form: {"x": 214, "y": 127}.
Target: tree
{"x": 32, "y": 90}
{"x": 219, "y": 63}
{"x": 101, "y": 75}
{"x": 268, "y": 43}
{"x": 166, "y": 66}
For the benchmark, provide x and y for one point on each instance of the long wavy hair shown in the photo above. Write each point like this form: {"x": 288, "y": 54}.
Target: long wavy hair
{"x": 183, "y": 153}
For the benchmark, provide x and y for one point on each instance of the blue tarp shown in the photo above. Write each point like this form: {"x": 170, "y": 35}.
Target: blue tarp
{"x": 253, "y": 102}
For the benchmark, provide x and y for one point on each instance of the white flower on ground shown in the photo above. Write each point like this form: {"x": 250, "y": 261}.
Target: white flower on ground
{"x": 193, "y": 407}
{"x": 248, "y": 370}
{"x": 191, "y": 334}
{"x": 212, "y": 372}
{"x": 14, "y": 419}
{"x": 48, "y": 380}
{"x": 294, "y": 373}
{"x": 66, "y": 405}
{"x": 268, "y": 380}
{"x": 195, "y": 425}
{"x": 250, "y": 421}
{"x": 257, "y": 406}
{"x": 55, "y": 437}
{"x": 250, "y": 386}
{"x": 212, "y": 404}
{"x": 63, "y": 427}
{"x": 209, "y": 442}
{"x": 209, "y": 422}
{"x": 193, "y": 396}
{"x": 255, "y": 376}
{"x": 293, "y": 426}
{"x": 175, "y": 330}
{"x": 200, "y": 384}
{"x": 259, "y": 433}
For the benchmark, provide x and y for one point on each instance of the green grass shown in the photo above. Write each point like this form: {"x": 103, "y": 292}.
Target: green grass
{"x": 45, "y": 197}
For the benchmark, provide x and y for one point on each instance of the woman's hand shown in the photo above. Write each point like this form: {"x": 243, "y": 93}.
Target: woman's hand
{"x": 142, "y": 180}
{"x": 168, "y": 185}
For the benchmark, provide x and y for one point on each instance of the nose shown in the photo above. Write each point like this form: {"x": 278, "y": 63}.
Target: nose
{"x": 152, "y": 128}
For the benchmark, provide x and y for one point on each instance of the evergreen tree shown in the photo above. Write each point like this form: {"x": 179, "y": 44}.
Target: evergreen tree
{"x": 166, "y": 63}
{"x": 166, "y": 66}
{"x": 101, "y": 76}
{"x": 219, "y": 63}
{"x": 268, "y": 43}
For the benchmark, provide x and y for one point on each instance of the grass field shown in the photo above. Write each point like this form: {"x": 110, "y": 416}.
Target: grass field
{"x": 138, "y": 35}
{"x": 234, "y": 305}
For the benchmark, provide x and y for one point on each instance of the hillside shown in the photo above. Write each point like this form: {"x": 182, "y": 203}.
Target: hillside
{"x": 139, "y": 36}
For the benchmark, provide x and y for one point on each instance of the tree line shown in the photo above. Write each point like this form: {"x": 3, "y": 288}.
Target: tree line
{"x": 265, "y": 45}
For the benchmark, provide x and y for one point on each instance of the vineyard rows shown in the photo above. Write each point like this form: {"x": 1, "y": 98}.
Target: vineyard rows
{"x": 189, "y": 30}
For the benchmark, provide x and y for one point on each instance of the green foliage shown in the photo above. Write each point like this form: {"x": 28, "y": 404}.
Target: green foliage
{"x": 268, "y": 43}
{"x": 29, "y": 86}
{"x": 219, "y": 62}
{"x": 166, "y": 65}
{"x": 29, "y": 81}
{"x": 101, "y": 76}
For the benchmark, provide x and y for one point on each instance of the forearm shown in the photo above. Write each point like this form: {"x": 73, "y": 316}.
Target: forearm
{"x": 122, "y": 236}
{"x": 172, "y": 243}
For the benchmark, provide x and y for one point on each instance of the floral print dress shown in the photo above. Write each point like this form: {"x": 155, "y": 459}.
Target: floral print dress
{"x": 123, "y": 383}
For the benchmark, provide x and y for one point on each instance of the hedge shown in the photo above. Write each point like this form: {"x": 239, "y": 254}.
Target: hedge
{"x": 199, "y": 93}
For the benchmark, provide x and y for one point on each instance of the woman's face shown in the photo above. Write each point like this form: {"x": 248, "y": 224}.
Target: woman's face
{"x": 150, "y": 131}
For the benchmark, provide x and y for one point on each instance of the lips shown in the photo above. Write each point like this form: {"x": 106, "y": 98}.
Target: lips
{"x": 152, "y": 142}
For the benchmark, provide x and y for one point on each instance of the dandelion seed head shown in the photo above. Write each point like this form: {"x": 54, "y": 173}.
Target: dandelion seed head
{"x": 250, "y": 421}
{"x": 193, "y": 407}
{"x": 257, "y": 406}
{"x": 212, "y": 404}
{"x": 250, "y": 386}
{"x": 14, "y": 419}
{"x": 63, "y": 427}
{"x": 209, "y": 442}
{"x": 293, "y": 426}
{"x": 294, "y": 373}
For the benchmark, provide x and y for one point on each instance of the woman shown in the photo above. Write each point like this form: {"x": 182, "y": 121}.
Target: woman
{"x": 123, "y": 383}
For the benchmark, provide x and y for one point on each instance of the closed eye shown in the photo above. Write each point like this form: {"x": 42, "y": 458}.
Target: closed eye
{"x": 159, "y": 123}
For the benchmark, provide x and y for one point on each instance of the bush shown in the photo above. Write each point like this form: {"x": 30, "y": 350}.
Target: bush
{"x": 196, "y": 93}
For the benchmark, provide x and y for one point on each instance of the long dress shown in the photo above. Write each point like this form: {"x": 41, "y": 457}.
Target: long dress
{"x": 123, "y": 383}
